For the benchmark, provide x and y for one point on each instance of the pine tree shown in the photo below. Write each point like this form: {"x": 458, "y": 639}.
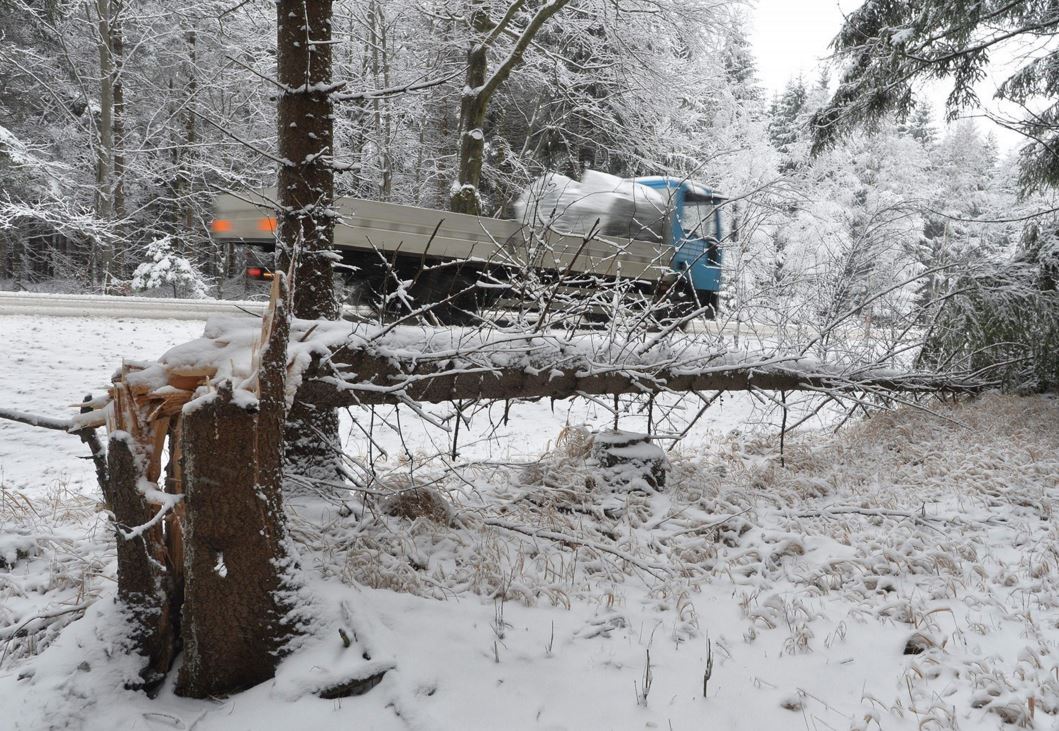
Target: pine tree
{"x": 888, "y": 47}
{"x": 740, "y": 65}
{"x": 787, "y": 120}
{"x": 919, "y": 125}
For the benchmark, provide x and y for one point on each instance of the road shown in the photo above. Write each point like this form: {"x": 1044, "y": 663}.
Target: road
{"x": 152, "y": 308}
{"x": 147, "y": 308}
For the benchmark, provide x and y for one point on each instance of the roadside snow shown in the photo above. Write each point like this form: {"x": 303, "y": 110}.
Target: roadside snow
{"x": 50, "y": 363}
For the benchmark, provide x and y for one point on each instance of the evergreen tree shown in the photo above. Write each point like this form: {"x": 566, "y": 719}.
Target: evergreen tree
{"x": 891, "y": 45}
{"x": 740, "y": 65}
{"x": 786, "y": 127}
{"x": 919, "y": 125}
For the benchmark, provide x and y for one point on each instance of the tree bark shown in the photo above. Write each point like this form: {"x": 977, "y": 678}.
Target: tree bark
{"x": 144, "y": 575}
{"x": 306, "y": 176}
{"x": 388, "y": 380}
{"x": 117, "y": 53}
{"x": 102, "y": 199}
{"x": 479, "y": 87}
{"x": 306, "y": 192}
{"x": 473, "y": 107}
{"x": 234, "y": 551}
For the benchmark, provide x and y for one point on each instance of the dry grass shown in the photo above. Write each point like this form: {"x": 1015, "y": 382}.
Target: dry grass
{"x": 57, "y": 557}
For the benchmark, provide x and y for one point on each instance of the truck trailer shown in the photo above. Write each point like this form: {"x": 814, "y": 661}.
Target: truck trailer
{"x": 662, "y": 234}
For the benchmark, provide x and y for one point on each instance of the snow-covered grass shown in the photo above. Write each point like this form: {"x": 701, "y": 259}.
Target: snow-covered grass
{"x": 513, "y": 589}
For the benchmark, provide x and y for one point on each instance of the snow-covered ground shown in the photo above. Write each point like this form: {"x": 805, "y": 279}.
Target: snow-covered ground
{"x": 808, "y": 583}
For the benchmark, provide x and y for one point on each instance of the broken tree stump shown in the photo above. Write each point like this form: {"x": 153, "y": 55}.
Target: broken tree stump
{"x": 234, "y": 552}
{"x": 144, "y": 571}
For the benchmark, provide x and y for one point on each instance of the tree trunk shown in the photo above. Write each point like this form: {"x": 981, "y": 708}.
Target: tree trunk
{"x": 306, "y": 177}
{"x": 234, "y": 554}
{"x": 380, "y": 67}
{"x": 190, "y": 135}
{"x": 102, "y": 201}
{"x": 473, "y": 106}
{"x": 479, "y": 87}
{"x": 306, "y": 192}
{"x": 117, "y": 54}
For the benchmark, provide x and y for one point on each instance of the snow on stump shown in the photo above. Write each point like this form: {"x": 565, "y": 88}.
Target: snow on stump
{"x": 629, "y": 462}
{"x": 234, "y": 552}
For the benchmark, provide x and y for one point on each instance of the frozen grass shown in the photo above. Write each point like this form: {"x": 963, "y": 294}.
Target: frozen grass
{"x": 936, "y": 527}
{"x": 54, "y": 562}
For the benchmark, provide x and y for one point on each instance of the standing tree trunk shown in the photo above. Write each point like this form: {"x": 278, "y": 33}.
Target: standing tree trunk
{"x": 380, "y": 68}
{"x": 306, "y": 192}
{"x": 102, "y": 200}
{"x": 481, "y": 85}
{"x": 109, "y": 198}
{"x": 473, "y": 106}
{"x": 117, "y": 55}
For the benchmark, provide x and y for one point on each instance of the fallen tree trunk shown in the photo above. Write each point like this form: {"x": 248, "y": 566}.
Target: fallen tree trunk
{"x": 336, "y": 364}
{"x": 358, "y": 377}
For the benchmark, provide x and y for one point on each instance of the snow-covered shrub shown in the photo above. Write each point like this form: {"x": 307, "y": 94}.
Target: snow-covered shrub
{"x": 164, "y": 267}
{"x": 1004, "y": 326}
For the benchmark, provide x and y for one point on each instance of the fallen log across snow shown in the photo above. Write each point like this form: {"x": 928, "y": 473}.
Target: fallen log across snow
{"x": 352, "y": 377}
{"x": 344, "y": 364}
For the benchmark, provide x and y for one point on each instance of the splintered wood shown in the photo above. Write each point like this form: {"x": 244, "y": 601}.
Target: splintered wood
{"x": 145, "y": 408}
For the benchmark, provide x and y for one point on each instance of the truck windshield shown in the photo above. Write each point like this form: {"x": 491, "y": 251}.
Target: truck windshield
{"x": 697, "y": 219}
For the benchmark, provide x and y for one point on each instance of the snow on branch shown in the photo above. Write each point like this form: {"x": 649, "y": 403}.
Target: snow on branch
{"x": 340, "y": 363}
{"x": 44, "y": 422}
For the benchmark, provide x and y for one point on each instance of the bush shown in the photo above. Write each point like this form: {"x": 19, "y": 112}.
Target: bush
{"x": 164, "y": 267}
{"x": 1002, "y": 327}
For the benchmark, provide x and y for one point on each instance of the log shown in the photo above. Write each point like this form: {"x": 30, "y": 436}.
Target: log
{"x": 354, "y": 377}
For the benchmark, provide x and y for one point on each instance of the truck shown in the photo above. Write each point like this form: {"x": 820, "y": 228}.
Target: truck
{"x": 661, "y": 234}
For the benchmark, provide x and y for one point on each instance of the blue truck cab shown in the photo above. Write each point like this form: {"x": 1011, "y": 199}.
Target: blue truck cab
{"x": 696, "y": 233}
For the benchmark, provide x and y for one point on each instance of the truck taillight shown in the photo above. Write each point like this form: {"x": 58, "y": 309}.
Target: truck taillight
{"x": 221, "y": 226}
{"x": 258, "y": 273}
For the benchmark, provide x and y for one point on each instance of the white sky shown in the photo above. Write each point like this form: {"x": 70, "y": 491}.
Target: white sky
{"x": 792, "y": 37}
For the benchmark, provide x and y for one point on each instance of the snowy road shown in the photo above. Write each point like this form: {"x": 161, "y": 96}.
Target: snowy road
{"x": 155, "y": 308}
{"x": 149, "y": 308}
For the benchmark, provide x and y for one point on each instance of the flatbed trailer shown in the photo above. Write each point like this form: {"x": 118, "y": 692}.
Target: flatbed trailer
{"x": 372, "y": 236}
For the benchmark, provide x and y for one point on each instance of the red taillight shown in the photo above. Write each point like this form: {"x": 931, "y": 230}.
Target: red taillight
{"x": 258, "y": 273}
{"x": 221, "y": 226}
